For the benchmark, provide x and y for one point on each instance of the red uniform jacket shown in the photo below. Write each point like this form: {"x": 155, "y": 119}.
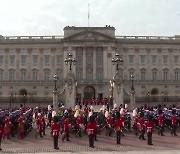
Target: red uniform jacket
{"x": 173, "y": 120}
{"x": 135, "y": 122}
{"x": 78, "y": 122}
{"x": 91, "y": 129}
{"x": 38, "y": 124}
{"x": 43, "y": 121}
{"x": 141, "y": 122}
{"x": 122, "y": 120}
{"x": 160, "y": 120}
{"x": 55, "y": 129}
{"x": 108, "y": 122}
{"x": 118, "y": 125}
{"x": 95, "y": 126}
{"x": 149, "y": 127}
{"x": 1, "y": 131}
{"x": 66, "y": 124}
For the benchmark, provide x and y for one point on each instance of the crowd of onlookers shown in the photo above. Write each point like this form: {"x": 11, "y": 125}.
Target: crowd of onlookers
{"x": 93, "y": 101}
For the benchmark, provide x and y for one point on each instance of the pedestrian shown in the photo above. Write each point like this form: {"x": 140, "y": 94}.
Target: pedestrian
{"x": 135, "y": 121}
{"x": 149, "y": 130}
{"x": 173, "y": 123}
{"x": 161, "y": 123}
{"x": 1, "y": 132}
{"x": 118, "y": 126}
{"x": 91, "y": 131}
{"x": 21, "y": 128}
{"x": 108, "y": 123}
{"x": 55, "y": 131}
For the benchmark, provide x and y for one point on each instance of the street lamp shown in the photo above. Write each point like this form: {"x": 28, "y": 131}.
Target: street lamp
{"x": 10, "y": 100}
{"x": 55, "y": 80}
{"x": 111, "y": 92}
{"x": 148, "y": 94}
{"x": 162, "y": 94}
{"x": 117, "y": 60}
{"x": 24, "y": 100}
{"x": 69, "y": 60}
{"x": 132, "y": 84}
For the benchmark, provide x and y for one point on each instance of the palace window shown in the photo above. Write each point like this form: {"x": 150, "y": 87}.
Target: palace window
{"x": 23, "y": 59}
{"x": 79, "y": 75}
{"x": 59, "y": 75}
{"x": 131, "y": 59}
{"x": 89, "y": 75}
{"x": 176, "y": 59}
{"x": 46, "y": 75}
{"x": 11, "y": 59}
{"x": 165, "y": 59}
{"x": 165, "y": 75}
{"x": 23, "y": 75}
{"x": 176, "y": 75}
{"x": 143, "y": 59}
{"x": 58, "y": 59}
{"x": 79, "y": 59}
{"x": 34, "y": 75}
{"x": 143, "y": 77}
{"x": 99, "y": 58}
{"x": 11, "y": 75}
{"x": 1, "y": 75}
{"x": 99, "y": 74}
{"x": 89, "y": 59}
{"x": 154, "y": 75}
{"x": 1, "y": 60}
{"x": 154, "y": 59}
{"x": 35, "y": 59}
{"x": 47, "y": 59}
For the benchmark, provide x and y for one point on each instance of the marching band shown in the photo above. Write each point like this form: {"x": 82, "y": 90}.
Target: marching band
{"x": 76, "y": 121}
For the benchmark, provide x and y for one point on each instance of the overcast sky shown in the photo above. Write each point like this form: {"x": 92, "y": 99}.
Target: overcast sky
{"x": 129, "y": 17}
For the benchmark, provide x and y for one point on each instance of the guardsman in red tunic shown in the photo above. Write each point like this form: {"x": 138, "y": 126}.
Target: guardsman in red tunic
{"x": 149, "y": 130}
{"x": 108, "y": 124}
{"x": 161, "y": 123}
{"x": 173, "y": 123}
{"x": 7, "y": 128}
{"x": 118, "y": 126}
{"x": 38, "y": 126}
{"x": 122, "y": 120}
{"x": 78, "y": 123}
{"x": 55, "y": 131}
{"x": 43, "y": 123}
{"x": 1, "y": 132}
{"x": 91, "y": 127}
{"x": 141, "y": 126}
{"x": 135, "y": 121}
{"x": 66, "y": 128}
{"x": 20, "y": 127}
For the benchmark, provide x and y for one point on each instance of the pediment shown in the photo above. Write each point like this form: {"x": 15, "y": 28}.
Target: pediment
{"x": 89, "y": 36}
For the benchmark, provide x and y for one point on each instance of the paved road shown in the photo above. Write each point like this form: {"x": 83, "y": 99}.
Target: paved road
{"x": 80, "y": 145}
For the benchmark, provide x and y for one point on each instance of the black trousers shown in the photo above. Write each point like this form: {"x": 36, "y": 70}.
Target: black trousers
{"x": 91, "y": 140}
{"x": 141, "y": 136}
{"x": 161, "y": 130}
{"x": 118, "y": 137}
{"x": 149, "y": 136}
{"x": 55, "y": 142}
{"x": 173, "y": 131}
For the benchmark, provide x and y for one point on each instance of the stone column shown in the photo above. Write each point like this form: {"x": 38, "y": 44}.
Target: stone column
{"x": 84, "y": 63}
{"x": 105, "y": 63}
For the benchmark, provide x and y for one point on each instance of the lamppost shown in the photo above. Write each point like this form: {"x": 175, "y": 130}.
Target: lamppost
{"x": 111, "y": 92}
{"x": 10, "y": 100}
{"x": 132, "y": 92}
{"x": 55, "y": 103}
{"x": 24, "y": 100}
{"x": 117, "y": 60}
{"x": 148, "y": 94}
{"x": 69, "y": 60}
{"x": 162, "y": 94}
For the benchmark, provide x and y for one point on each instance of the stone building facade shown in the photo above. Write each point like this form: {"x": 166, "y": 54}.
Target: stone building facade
{"x": 28, "y": 63}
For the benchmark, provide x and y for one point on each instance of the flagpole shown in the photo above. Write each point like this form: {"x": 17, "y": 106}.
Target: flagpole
{"x": 88, "y": 16}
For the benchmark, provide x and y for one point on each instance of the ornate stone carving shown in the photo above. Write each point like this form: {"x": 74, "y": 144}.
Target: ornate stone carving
{"x": 118, "y": 80}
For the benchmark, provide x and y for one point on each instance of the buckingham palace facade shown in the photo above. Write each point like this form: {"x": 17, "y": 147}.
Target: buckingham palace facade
{"x": 28, "y": 64}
